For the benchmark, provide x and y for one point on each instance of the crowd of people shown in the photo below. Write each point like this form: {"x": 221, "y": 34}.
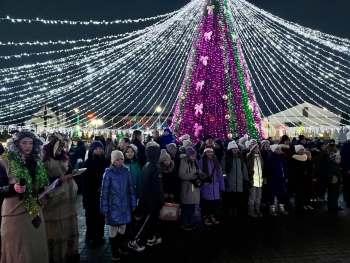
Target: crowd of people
{"x": 127, "y": 183}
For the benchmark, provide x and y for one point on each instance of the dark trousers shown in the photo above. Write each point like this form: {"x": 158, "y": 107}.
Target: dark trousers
{"x": 233, "y": 200}
{"x": 208, "y": 207}
{"x": 346, "y": 186}
{"x": 187, "y": 214}
{"x": 333, "y": 195}
{"x": 321, "y": 186}
{"x": 265, "y": 194}
{"x": 95, "y": 224}
{"x": 301, "y": 196}
{"x": 147, "y": 227}
{"x": 280, "y": 199}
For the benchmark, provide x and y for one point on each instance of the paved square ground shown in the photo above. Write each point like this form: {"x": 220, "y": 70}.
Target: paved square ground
{"x": 316, "y": 236}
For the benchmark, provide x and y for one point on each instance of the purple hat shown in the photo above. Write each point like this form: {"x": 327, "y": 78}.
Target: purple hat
{"x": 190, "y": 151}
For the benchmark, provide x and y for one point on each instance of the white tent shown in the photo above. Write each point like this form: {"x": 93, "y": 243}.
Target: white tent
{"x": 46, "y": 117}
{"x": 303, "y": 115}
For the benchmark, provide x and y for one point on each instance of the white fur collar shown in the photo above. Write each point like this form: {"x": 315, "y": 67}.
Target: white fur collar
{"x": 286, "y": 146}
{"x": 299, "y": 157}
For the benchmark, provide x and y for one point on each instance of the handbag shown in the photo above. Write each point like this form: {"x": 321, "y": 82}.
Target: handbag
{"x": 169, "y": 212}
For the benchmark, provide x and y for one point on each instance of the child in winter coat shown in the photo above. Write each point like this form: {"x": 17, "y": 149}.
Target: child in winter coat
{"x": 256, "y": 177}
{"x": 277, "y": 179}
{"x": 170, "y": 178}
{"x": 118, "y": 200}
{"x": 236, "y": 174}
{"x": 131, "y": 162}
{"x": 334, "y": 182}
{"x": 189, "y": 193}
{"x": 210, "y": 194}
{"x": 151, "y": 201}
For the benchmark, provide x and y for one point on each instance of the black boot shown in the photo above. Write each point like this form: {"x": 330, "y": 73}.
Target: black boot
{"x": 114, "y": 248}
{"x": 121, "y": 246}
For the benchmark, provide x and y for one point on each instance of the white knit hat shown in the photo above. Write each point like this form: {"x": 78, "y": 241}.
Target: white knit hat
{"x": 348, "y": 136}
{"x": 273, "y": 147}
{"x": 208, "y": 149}
{"x": 253, "y": 147}
{"x": 116, "y": 155}
{"x": 232, "y": 145}
{"x": 134, "y": 148}
{"x": 163, "y": 155}
{"x": 247, "y": 144}
{"x": 242, "y": 140}
{"x": 185, "y": 137}
{"x": 298, "y": 148}
{"x": 186, "y": 143}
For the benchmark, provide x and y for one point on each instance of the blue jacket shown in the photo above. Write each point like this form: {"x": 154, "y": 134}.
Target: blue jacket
{"x": 165, "y": 140}
{"x": 118, "y": 196}
{"x": 278, "y": 173}
{"x": 212, "y": 191}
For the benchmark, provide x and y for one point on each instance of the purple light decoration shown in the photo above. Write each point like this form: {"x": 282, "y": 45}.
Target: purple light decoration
{"x": 211, "y": 73}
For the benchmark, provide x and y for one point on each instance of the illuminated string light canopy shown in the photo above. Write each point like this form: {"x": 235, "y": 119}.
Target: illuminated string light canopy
{"x": 133, "y": 73}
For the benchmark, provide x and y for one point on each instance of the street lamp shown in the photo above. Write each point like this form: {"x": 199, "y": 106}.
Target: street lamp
{"x": 96, "y": 122}
{"x": 159, "y": 110}
{"x": 76, "y": 132}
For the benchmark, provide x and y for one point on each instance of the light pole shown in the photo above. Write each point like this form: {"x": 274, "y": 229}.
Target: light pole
{"x": 77, "y": 127}
{"x": 159, "y": 110}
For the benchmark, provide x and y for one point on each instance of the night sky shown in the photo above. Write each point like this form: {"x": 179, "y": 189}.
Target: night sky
{"x": 328, "y": 16}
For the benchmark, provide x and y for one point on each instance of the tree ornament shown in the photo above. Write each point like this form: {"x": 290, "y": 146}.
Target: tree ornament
{"x": 204, "y": 60}
{"x": 210, "y": 9}
{"x": 199, "y": 109}
{"x": 212, "y": 119}
{"x": 227, "y": 116}
{"x": 224, "y": 97}
{"x": 199, "y": 85}
{"x": 197, "y": 129}
{"x": 207, "y": 35}
{"x": 229, "y": 135}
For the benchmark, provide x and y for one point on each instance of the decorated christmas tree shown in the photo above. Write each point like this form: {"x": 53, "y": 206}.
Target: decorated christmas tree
{"x": 216, "y": 96}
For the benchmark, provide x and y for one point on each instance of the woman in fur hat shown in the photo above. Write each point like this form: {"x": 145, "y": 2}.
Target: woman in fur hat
{"x": 321, "y": 166}
{"x": 265, "y": 151}
{"x": 23, "y": 234}
{"x": 60, "y": 214}
{"x": 174, "y": 155}
{"x": 300, "y": 174}
{"x": 136, "y": 139}
{"x": 334, "y": 179}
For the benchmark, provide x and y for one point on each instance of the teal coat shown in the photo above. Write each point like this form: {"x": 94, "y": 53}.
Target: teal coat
{"x": 135, "y": 170}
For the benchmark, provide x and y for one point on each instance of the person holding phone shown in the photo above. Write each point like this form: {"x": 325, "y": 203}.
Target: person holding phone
{"x": 60, "y": 212}
{"x": 23, "y": 234}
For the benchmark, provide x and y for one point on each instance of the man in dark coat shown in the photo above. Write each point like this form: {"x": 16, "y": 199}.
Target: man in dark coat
{"x": 151, "y": 201}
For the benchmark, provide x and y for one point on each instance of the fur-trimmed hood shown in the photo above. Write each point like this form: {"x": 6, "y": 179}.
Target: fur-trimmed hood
{"x": 299, "y": 157}
{"x": 167, "y": 169}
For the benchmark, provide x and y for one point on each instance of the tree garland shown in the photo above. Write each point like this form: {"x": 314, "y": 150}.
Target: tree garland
{"x": 19, "y": 171}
